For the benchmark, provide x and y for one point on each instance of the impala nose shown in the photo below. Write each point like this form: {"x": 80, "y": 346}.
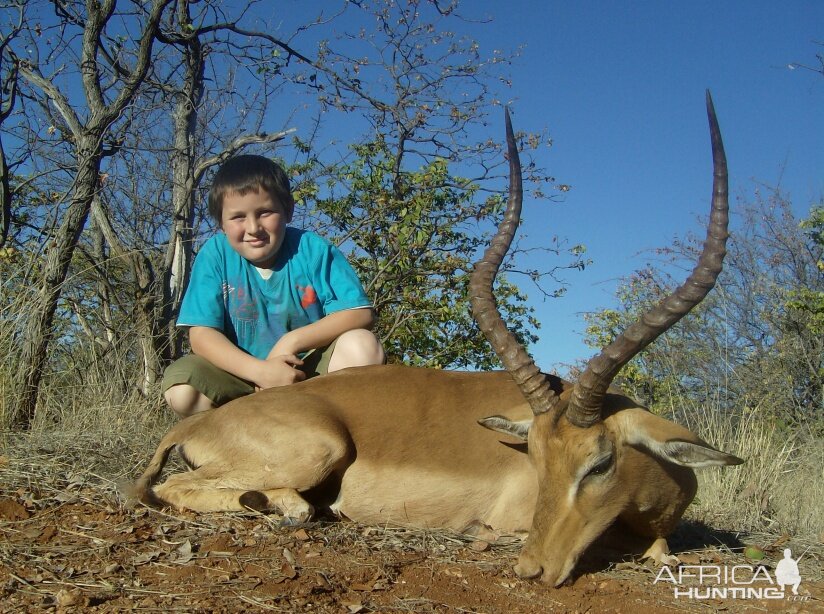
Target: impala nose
{"x": 528, "y": 569}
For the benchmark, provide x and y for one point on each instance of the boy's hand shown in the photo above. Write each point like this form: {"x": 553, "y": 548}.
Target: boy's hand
{"x": 280, "y": 370}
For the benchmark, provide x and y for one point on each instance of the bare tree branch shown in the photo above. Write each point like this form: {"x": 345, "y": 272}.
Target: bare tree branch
{"x": 237, "y": 145}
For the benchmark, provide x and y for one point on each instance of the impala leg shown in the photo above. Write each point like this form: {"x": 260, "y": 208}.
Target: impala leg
{"x": 200, "y": 492}
{"x": 245, "y": 478}
{"x": 213, "y": 494}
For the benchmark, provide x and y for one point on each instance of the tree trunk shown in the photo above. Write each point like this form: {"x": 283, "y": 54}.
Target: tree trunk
{"x": 5, "y": 197}
{"x": 178, "y": 261}
{"x": 58, "y": 258}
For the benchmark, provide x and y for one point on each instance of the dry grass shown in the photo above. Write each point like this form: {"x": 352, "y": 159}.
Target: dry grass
{"x": 780, "y": 487}
{"x": 66, "y": 475}
{"x": 778, "y": 490}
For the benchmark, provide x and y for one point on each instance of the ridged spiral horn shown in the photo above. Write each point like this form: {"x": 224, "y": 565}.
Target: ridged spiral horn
{"x": 585, "y": 405}
{"x": 532, "y": 383}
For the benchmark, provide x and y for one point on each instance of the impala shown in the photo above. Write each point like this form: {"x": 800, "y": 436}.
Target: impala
{"x": 403, "y": 445}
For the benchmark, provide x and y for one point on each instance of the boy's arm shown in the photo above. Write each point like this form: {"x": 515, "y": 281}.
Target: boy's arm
{"x": 214, "y": 346}
{"x": 322, "y": 332}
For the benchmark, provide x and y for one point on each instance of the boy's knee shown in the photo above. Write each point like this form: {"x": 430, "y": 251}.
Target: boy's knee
{"x": 186, "y": 400}
{"x": 357, "y": 348}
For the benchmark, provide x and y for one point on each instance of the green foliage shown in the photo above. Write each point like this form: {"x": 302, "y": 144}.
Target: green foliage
{"x": 651, "y": 376}
{"x": 808, "y": 301}
{"x": 412, "y": 237}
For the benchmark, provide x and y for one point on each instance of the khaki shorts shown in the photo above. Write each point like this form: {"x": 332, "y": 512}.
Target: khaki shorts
{"x": 221, "y": 387}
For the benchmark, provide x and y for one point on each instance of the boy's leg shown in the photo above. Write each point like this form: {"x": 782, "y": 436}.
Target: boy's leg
{"x": 186, "y": 400}
{"x": 356, "y": 348}
{"x": 192, "y": 384}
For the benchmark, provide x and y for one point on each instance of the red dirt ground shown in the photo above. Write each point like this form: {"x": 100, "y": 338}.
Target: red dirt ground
{"x": 78, "y": 550}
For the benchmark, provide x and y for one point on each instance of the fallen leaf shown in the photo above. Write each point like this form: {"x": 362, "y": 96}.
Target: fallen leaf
{"x": 779, "y": 542}
{"x": 184, "y": 553}
{"x": 690, "y": 559}
{"x": 301, "y": 535}
{"x": 66, "y": 598}
{"x": 64, "y": 571}
{"x": 146, "y": 557}
{"x": 254, "y": 570}
{"x": 12, "y": 510}
{"x": 271, "y": 587}
{"x": 362, "y": 587}
{"x": 48, "y": 532}
{"x": 754, "y": 553}
{"x": 288, "y": 571}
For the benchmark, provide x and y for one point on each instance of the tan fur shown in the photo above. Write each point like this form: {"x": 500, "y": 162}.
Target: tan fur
{"x": 394, "y": 454}
{"x": 403, "y": 445}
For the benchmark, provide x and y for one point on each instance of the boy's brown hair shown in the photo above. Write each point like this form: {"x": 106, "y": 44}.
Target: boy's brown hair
{"x": 249, "y": 173}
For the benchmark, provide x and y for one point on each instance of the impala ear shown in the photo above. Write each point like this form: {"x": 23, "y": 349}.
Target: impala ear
{"x": 669, "y": 441}
{"x": 689, "y": 454}
{"x": 517, "y": 429}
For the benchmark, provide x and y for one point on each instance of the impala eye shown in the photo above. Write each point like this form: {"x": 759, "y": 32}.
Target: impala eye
{"x": 601, "y": 467}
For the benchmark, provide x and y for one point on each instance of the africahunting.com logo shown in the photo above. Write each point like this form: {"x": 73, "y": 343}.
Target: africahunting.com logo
{"x": 735, "y": 581}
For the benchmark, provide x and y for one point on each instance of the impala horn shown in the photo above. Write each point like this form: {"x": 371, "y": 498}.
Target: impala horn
{"x": 584, "y": 408}
{"x": 533, "y": 384}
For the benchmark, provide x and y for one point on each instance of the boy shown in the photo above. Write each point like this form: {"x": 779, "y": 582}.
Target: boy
{"x": 267, "y": 305}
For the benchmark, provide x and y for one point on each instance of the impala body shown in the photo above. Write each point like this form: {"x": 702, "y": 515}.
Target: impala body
{"x": 443, "y": 449}
{"x": 410, "y": 451}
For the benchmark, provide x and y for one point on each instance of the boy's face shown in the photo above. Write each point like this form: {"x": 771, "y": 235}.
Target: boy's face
{"x": 255, "y": 224}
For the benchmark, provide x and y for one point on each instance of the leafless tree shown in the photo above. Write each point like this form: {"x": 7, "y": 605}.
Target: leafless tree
{"x": 107, "y": 93}
{"x": 8, "y": 94}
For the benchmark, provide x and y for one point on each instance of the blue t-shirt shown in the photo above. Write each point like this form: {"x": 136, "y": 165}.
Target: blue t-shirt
{"x": 309, "y": 280}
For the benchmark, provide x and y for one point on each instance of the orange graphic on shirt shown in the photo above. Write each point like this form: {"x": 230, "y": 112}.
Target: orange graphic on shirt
{"x": 308, "y": 297}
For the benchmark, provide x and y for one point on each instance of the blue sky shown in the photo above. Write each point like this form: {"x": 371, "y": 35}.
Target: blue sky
{"x": 620, "y": 86}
